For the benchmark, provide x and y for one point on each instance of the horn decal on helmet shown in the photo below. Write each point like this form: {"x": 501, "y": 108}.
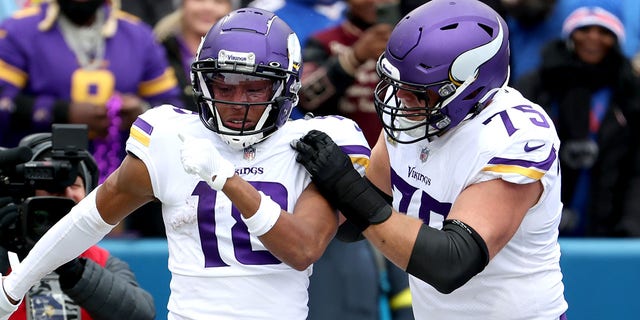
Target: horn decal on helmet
{"x": 472, "y": 60}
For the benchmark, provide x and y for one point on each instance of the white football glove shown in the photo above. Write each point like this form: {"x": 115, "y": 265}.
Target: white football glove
{"x": 200, "y": 157}
{"x": 6, "y": 307}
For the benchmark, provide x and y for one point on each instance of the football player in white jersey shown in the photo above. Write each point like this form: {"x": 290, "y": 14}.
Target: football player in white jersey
{"x": 463, "y": 186}
{"x": 244, "y": 222}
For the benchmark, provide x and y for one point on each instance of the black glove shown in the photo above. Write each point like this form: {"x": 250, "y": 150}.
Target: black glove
{"x": 71, "y": 272}
{"x": 332, "y": 171}
{"x": 10, "y": 235}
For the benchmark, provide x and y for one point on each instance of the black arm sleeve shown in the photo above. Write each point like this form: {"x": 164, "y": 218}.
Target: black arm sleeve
{"x": 112, "y": 292}
{"x": 448, "y": 258}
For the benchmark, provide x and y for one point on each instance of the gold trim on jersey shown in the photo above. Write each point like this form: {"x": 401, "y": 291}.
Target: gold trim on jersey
{"x": 361, "y": 161}
{"x": 12, "y": 75}
{"x": 139, "y": 136}
{"x": 527, "y": 172}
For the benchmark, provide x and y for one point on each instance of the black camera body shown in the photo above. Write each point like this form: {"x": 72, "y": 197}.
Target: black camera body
{"x": 67, "y": 157}
{"x": 68, "y": 146}
{"x": 39, "y": 214}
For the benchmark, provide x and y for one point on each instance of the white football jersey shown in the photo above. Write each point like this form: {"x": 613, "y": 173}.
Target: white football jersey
{"x": 511, "y": 139}
{"x": 219, "y": 270}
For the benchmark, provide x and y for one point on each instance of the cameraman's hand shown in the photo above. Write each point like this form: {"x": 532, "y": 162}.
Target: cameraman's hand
{"x": 71, "y": 272}
{"x": 10, "y": 236}
{"x": 200, "y": 157}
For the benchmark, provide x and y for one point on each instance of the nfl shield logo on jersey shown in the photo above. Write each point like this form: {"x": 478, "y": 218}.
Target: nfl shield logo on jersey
{"x": 249, "y": 153}
{"x": 424, "y": 154}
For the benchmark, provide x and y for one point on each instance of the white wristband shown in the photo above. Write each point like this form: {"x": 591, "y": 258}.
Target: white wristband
{"x": 265, "y": 218}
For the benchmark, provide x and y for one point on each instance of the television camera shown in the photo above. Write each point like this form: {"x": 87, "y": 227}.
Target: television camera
{"x": 25, "y": 169}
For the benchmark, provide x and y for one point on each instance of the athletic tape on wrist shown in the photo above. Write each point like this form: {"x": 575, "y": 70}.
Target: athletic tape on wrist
{"x": 265, "y": 218}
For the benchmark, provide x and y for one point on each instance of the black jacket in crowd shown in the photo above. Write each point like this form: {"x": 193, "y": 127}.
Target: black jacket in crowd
{"x": 563, "y": 85}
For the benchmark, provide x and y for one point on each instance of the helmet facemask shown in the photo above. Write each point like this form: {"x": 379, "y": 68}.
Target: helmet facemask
{"x": 422, "y": 117}
{"x": 260, "y": 91}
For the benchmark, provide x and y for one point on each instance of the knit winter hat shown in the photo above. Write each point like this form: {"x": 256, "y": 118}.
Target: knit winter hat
{"x": 590, "y": 16}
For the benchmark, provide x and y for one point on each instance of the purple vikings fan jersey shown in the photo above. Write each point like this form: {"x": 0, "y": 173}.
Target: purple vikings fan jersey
{"x": 219, "y": 270}
{"x": 42, "y": 65}
{"x": 514, "y": 140}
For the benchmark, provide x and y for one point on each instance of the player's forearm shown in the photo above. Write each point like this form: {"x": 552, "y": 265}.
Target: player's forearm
{"x": 395, "y": 237}
{"x": 297, "y": 240}
{"x": 243, "y": 195}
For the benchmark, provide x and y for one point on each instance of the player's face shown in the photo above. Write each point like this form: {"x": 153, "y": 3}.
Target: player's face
{"x": 418, "y": 101}
{"x": 76, "y": 191}
{"x": 241, "y": 89}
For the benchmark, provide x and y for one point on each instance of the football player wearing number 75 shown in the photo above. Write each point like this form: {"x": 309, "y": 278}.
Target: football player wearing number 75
{"x": 244, "y": 222}
{"x": 463, "y": 185}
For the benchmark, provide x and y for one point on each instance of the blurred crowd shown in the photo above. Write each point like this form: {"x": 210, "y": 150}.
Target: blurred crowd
{"x": 578, "y": 59}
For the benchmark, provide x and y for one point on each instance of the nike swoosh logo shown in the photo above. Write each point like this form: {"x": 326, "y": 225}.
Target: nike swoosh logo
{"x": 527, "y": 148}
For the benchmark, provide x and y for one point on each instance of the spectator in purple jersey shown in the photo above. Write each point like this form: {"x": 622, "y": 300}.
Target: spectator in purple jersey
{"x": 71, "y": 61}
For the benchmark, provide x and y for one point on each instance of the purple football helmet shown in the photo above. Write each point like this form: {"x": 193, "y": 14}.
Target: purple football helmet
{"x": 456, "y": 50}
{"x": 248, "y": 43}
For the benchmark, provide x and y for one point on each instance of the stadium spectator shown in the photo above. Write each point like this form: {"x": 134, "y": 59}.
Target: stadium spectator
{"x": 339, "y": 67}
{"x": 588, "y": 87}
{"x": 71, "y": 61}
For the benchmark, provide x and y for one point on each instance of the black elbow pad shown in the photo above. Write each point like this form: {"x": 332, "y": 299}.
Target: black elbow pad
{"x": 448, "y": 258}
